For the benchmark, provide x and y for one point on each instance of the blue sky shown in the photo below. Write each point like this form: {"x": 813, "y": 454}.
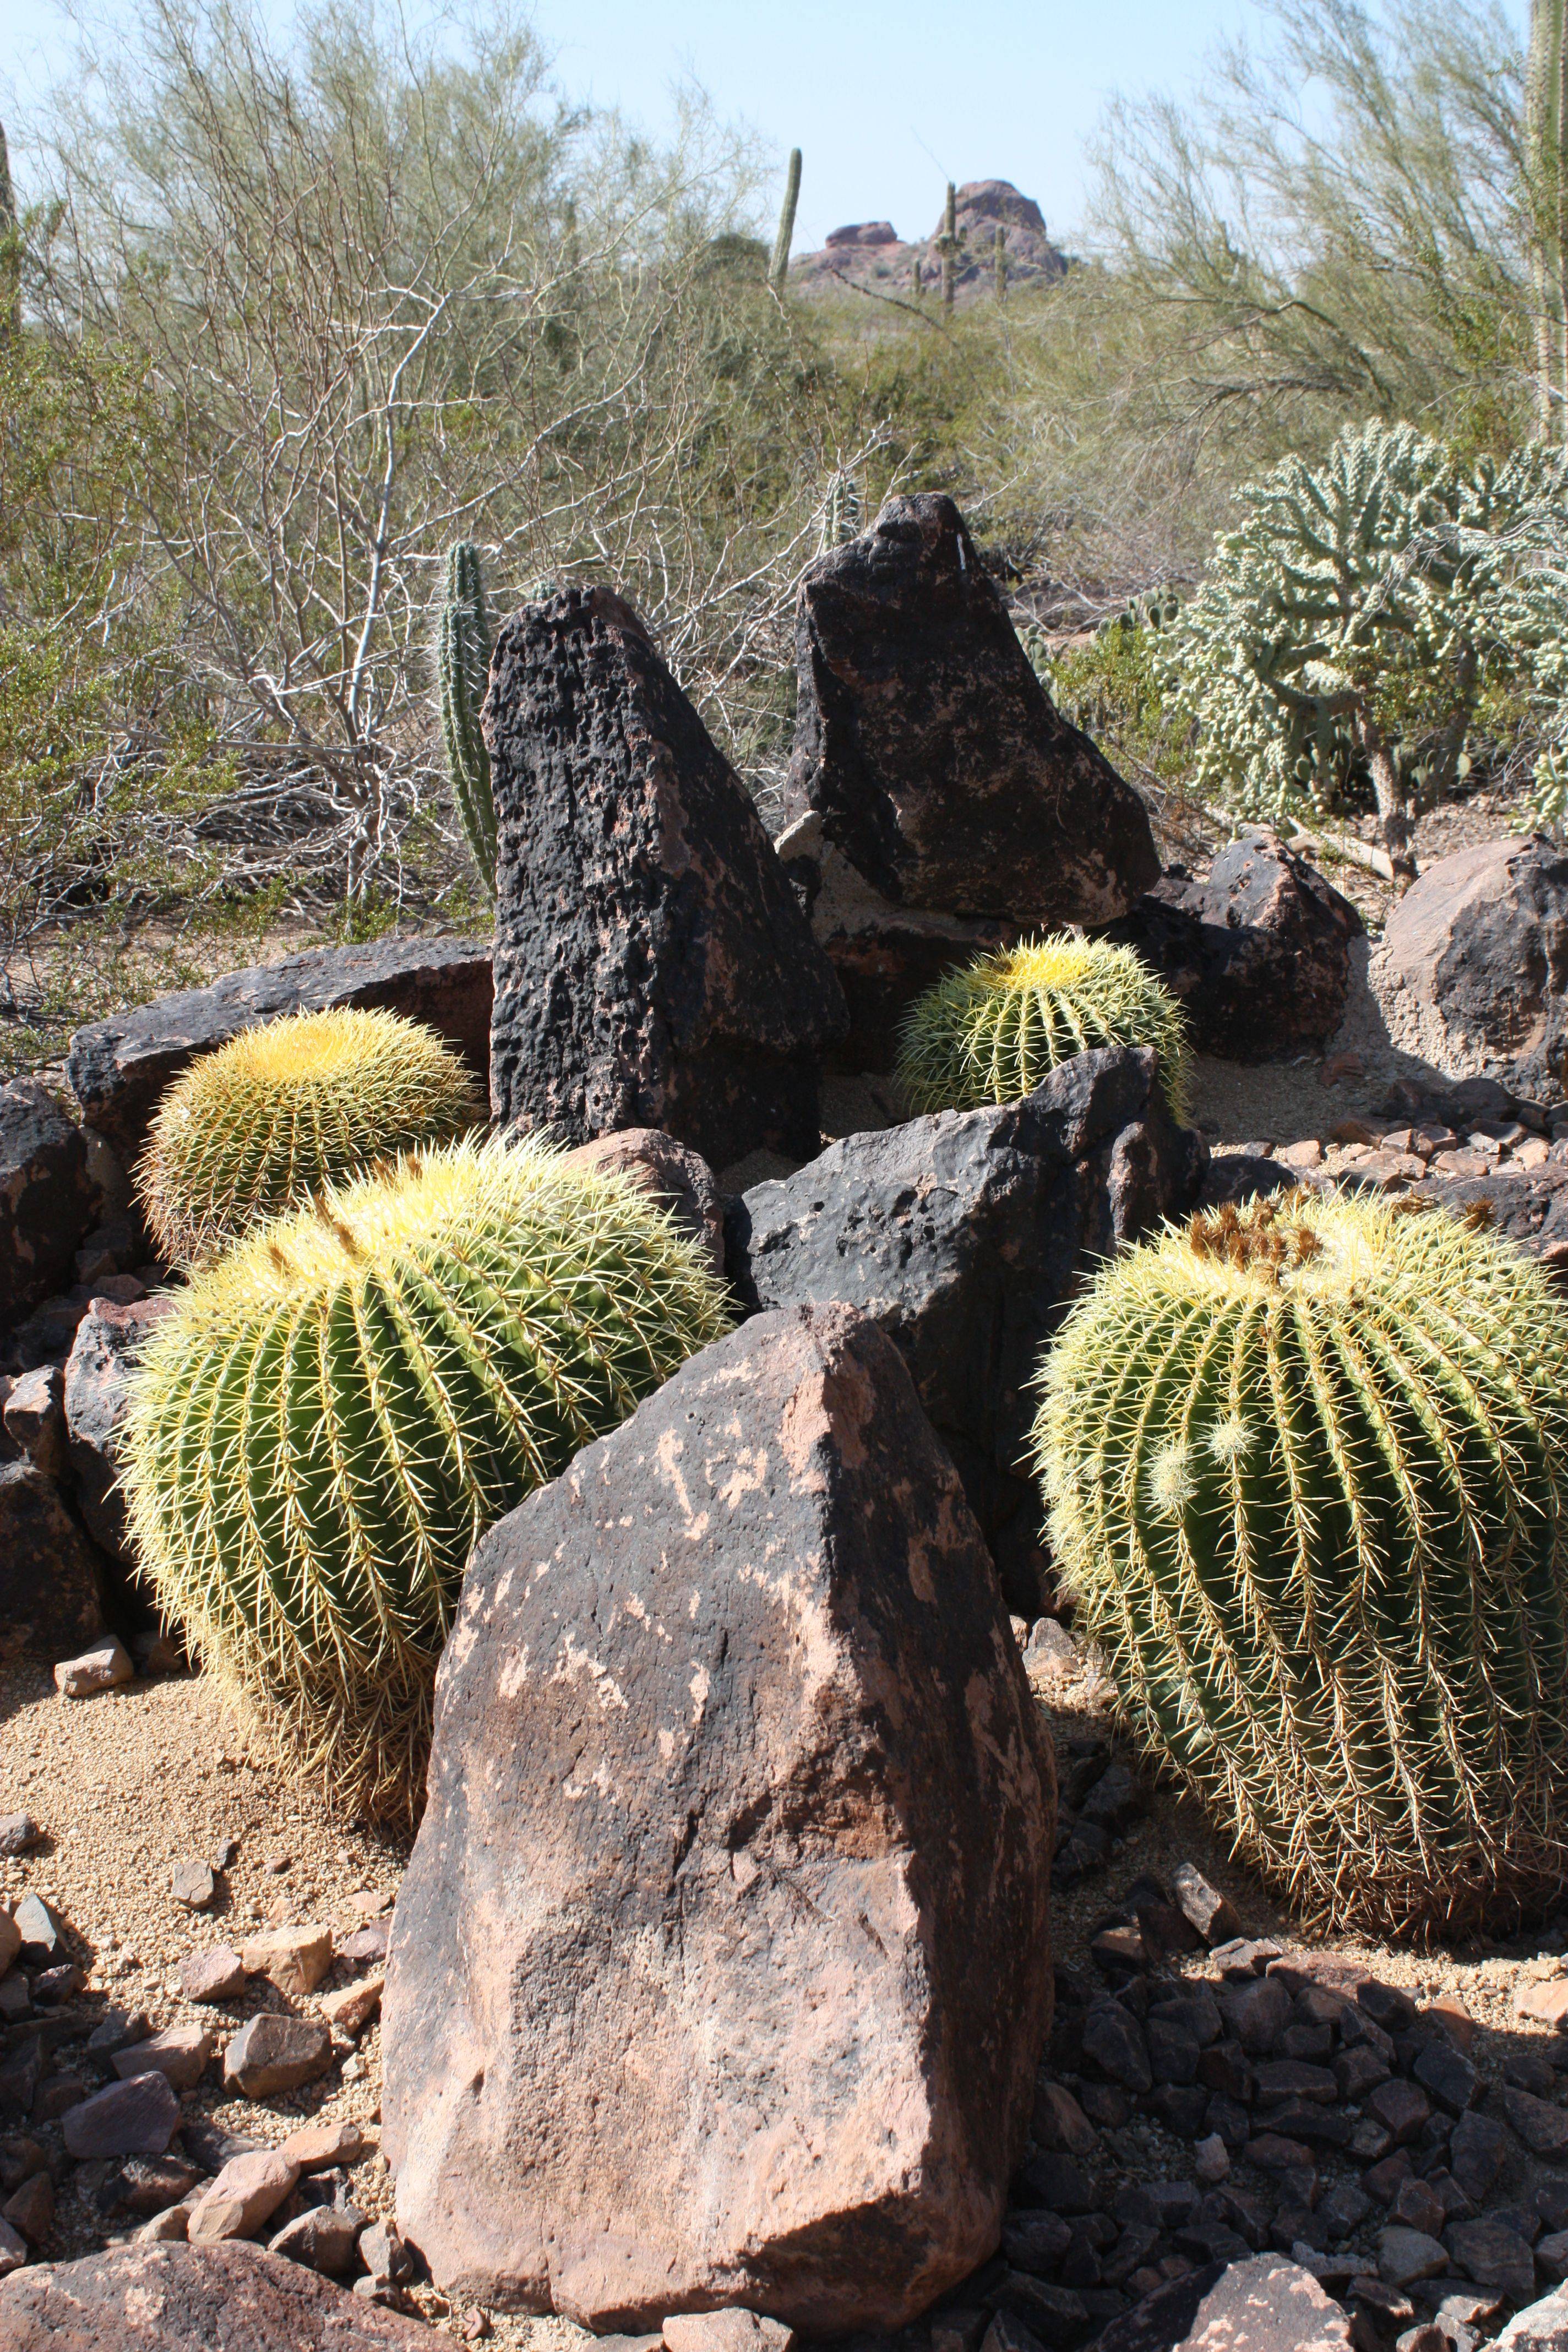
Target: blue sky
{"x": 887, "y": 98}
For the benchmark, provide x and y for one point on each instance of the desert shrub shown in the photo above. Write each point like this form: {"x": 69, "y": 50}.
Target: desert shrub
{"x": 1305, "y": 1464}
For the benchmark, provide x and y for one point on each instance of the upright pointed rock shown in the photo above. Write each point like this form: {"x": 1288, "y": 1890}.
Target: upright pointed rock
{"x": 932, "y": 752}
{"x": 721, "y": 1971}
{"x": 652, "y": 966}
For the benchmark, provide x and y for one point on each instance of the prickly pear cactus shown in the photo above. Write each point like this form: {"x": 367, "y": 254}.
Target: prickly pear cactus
{"x": 991, "y": 1033}
{"x": 331, "y": 1416}
{"x": 1305, "y": 1466}
{"x": 262, "y": 1124}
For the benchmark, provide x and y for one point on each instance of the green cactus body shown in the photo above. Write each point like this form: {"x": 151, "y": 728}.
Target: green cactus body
{"x": 840, "y": 512}
{"x": 778, "y": 268}
{"x": 949, "y": 241}
{"x": 462, "y": 669}
{"x": 991, "y": 1033}
{"x": 261, "y": 1126}
{"x": 329, "y": 1417}
{"x": 1303, "y": 1465}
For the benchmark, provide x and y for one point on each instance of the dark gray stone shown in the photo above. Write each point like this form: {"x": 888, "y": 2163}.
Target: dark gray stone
{"x": 48, "y": 1200}
{"x": 932, "y": 752}
{"x": 133, "y": 2118}
{"x": 51, "y": 1576}
{"x": 183, "y": 2298}
{"x": 735, "y": 1700}
{"x": 119, "y": 1068}
{"x": 1258, "y": 954}
{"x": 1448, "y": 2074}
{"x": 1256, "y": 2014}
{"x": 97, "y": 1394}
{"x": 653, "y": 965}
{"x": 965, "y": 1235}
{"x": 1476, "y": 2154}
{"x": 34, "y": 1417}
{"x": 1114, "y": 2046}
{"x": 1488, "y": 2251}
{"x": 1541, "y": 2124}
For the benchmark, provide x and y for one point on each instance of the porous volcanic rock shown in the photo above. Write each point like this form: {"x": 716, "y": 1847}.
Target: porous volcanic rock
{"x": 721, "y": 1970}
{"x": 930, "y": 750}
{"x": 671, "y": 1173}
{"x": 965, "y": 1235}
{"x": 1258, "y": 953}
{"x": 652, "y": 966}
{"x": 119, "y": 1068}
{"x": 182, "y": 2298}
{"x": 51, "y": 1576}
{"x": 47, "y": 1199}
{"x": 1471, "y": 973}
{"x": 97, "y": 1392}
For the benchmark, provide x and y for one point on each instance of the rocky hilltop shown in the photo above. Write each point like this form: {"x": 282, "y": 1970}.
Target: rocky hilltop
{"x": 872, "y": 255}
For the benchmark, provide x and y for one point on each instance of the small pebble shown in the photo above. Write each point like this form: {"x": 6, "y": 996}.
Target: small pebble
{"x": 1211, "y": 2160}
{"x": 19, "y": 1834}
{"x": 104, "y": 1667}
{"x": 193, "y": 1885}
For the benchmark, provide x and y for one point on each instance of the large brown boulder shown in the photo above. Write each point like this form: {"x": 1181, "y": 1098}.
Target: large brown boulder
{"x": 229, "y": 2297}
{"x": 1258, "y": 953}
{"x": 721, "y": 1971}
{"x": 653, "y": 966}
{"x": 932, "y": 752}
{"x": 1471, "y": 973}
{"x": 119, "y": 1068}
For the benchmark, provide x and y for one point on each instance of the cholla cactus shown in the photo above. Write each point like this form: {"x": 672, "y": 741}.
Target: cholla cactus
{"x": 462, "y": 667}
{"x": 1352, "y": 623}
{"x": 991, "y": 1033}
{"x": 1304, "y": 1462}
{"x": 331, "y": 1416}
{"x": 1546, "y": 192}
{"x": 261, "y": 1126}
{"x": 841, "y": 517}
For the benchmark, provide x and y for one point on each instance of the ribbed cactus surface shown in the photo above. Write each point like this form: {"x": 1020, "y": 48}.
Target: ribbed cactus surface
{"x": 463, "y": 646}
{"x": 262, "y": 1124}
{"x": 991, "y": 1033}
{"x": 1305, "y": 1467}
{"x": 334, "y": 1413}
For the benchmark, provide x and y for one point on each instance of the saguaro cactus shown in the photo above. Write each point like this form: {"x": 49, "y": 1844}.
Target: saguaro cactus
{"x": 779, "y": 267}
{"x": 1546, "y": 172}
{"x": 1306, "y": 1464}
{"x": 1001, "y": 263}
{"x": 462, "y": 663}
{"x": 950, "y": 247}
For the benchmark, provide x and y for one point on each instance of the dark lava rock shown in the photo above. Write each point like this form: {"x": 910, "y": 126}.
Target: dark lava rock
{"x": 653, "y": 966}
{"x": 1237, "y": 1176}
{"x": 930, "y": 750}
{"x": 1493, "y": 2254}
{"x": 48, "y": 1199}
{"x": 736, "y": 1702}
{"x": 1472, "y": 971}
{"x": 132, "y": 2118}
{"x": 1476, "y": 2153}
{"x": 965, "y": 1235}
{"x": 1448, "y": 2074}
{"x": 51, "y": 1576}
{"x": 1115, "y": 2047}
{"x": 97, "y": 1394}
{"x": 1258, "y": 954}
{"x": 119, "y": 1067}
{"x": 1541, "y": 2124}
{"x": 182, "y": 2298}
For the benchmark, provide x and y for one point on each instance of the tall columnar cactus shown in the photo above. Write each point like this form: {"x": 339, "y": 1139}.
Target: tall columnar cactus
{"x": 331, "y": 1416}
{"x": 950, "y": 247}
{"x": 991, "y": 1033}
{"x": 778, "y": 268}
{"x": 462, "y": 663}
{"x": 1001, "y": 263}
{"x": 261, "y": 1126}
{"x": 1546, "y": 178}
{"x": 1305, "y": 1463}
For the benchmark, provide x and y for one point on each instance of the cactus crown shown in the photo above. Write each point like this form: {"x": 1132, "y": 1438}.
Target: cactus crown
{"x": 992, "y": 1032}
{"x": 332, "y": 1414}
{"x": 259, "y": 1125}
{"x": 1302, "y": 1465}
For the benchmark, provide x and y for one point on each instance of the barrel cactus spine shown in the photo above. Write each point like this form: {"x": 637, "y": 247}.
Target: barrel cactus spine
{"x": 1304, "y": 1464}
{"x": 259, "y": 1125}
{"x": 991, "y": 1032}
{"x": 331, "y": 1415}
{"x": 462, "y": 667}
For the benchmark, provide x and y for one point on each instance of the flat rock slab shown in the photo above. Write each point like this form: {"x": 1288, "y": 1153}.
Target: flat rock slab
{"x": 721, "y": 1969}
{"x": 653, "y": 965}
{"x": 228, "y": 2297}
{"x": 119, "y": 1068}
{"x": 932, "y": 754}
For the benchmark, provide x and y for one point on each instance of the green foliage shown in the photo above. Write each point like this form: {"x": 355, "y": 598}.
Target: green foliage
{"x": 991, "y": 1033}
{"x": 261, "y": 1126}
{"x": 1304, "y": 1461}
{"x": 332, "y": 1414}
{"x": 1115, "y": 687}
{"x": 463, "y": 663}
{"x": 1351, "y": 624}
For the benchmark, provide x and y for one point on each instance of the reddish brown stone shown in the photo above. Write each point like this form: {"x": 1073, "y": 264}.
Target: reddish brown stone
{"x": 678, "y": 1178}
{"x": 180, "y": 2298}
{"x": 721, "y": 1969}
